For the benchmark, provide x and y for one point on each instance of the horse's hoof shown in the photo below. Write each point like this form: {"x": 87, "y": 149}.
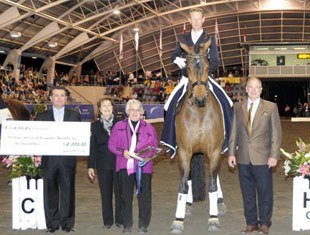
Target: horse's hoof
{"x": 214, "y": 225}
{"x": 177, "y": 227}
{"x": 222, "y": 209}
{"x": 189, "y": 209}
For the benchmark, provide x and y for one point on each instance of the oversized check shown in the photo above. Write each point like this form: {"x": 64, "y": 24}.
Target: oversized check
{"x": 45, "y": 138}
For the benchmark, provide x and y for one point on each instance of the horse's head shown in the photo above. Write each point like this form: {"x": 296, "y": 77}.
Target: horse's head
{"x": 198, "y": 70}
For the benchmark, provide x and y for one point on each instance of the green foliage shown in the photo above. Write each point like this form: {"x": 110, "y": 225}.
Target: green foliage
{"x": 23, "y": 166}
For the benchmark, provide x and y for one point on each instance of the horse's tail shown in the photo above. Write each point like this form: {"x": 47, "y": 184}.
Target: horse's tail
{"x": 198, "y": 178}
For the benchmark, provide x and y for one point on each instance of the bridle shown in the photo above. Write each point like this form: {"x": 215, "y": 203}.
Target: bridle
{"x": 195, "y": 59}
{"x": 198, "y": 57}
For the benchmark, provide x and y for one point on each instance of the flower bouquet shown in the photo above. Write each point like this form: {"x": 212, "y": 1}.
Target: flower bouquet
{"x": 298, "y": 162}
{"x": 24, "y": 165}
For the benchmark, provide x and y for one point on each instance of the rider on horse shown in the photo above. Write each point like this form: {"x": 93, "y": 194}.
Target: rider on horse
{"x": 195, "y": 37}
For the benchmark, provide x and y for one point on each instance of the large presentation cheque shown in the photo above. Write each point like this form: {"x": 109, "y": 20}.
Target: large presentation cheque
{"x": 45, "y": 138}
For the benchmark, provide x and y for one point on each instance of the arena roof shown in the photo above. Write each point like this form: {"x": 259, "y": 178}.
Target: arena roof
{"x": 89, "y": 29}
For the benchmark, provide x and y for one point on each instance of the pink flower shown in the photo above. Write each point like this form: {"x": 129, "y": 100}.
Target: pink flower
{"x": 36, "y": 160}
{"x": 8, "y": 161}
{"x": 304, "y": 169}
{"x": 302, "y": 146}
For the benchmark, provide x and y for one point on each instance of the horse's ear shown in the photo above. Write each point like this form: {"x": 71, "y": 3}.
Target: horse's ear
{"x": 206, "y": 45}
{"x": 185, "y": 47}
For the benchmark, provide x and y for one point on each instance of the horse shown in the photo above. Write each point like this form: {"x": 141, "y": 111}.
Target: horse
{"x": 199, "y": 133}
{"x": 17, "y": 109}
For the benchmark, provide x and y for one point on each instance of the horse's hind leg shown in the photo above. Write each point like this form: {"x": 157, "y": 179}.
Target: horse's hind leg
{"x": 222, "y": 209}
{"x": 189, "y": 201}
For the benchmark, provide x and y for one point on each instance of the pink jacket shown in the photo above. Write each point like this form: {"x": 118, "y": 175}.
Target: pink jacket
{"x": 120, "y": 140}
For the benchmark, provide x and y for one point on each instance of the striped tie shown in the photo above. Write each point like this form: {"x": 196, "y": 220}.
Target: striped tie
{"x": 249, "y": 119}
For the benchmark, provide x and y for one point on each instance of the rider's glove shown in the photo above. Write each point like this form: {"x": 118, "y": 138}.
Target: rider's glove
{"x": 180, "y": 62}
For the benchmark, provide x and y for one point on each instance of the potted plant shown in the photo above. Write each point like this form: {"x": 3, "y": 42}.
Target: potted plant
{"x": 297, "y": 165}
{"x": 29, "y": 166}
{"x": 298, "y": 162}
{"x": 27, "y": 191}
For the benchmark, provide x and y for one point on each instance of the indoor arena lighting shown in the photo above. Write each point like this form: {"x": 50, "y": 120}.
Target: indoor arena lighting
{"x": 116, "y": 12}
{"x": 15, "y": 34}
{"x": 52, "y": 44}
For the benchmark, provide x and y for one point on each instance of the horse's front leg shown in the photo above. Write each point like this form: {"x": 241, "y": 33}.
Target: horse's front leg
{"x": 213, "y": 222}
{"x": 178, "y": 225}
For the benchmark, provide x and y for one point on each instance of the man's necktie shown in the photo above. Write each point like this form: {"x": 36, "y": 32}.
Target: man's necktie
{"x": 249, "y": 119}
{"x": 59, "y": 116}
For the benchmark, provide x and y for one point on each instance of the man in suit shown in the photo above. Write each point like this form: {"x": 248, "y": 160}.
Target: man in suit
{"x": 195, "y": 37}
{"x": 59, "y": 171}
{"x": 254, "y": 145}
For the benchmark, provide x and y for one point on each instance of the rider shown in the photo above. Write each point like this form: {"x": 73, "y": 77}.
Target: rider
{"x": 195, "y": 37}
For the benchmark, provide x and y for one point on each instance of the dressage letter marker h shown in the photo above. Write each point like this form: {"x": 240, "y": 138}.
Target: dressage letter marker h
{"x": 301, "y": 203}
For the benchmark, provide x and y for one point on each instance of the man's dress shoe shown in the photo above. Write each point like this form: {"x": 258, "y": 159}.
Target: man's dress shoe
{"x": 249, "y": 229}
{"x": 263, "y": 229}
{"x": 51, "y": 230}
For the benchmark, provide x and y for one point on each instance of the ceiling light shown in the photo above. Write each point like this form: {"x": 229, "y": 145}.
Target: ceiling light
{"x": 52, "y": 44}
{"x": 15, "y": 34}
{"x": 116, "y": 12}
{"x": 299, "y": 48}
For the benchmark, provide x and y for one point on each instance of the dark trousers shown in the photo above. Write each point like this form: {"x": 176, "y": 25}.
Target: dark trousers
{"x": 108, "y": 182}
{"x": 59, "y": 195}
{"x": 127, "y": 183}
{"x": 256, "y": 185}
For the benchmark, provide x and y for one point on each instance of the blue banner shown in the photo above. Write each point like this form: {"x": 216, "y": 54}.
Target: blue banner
{"x": 152, "y": 111}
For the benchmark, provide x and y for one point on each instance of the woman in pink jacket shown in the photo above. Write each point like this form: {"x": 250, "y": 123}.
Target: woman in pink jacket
{"x": 129, "y": 137}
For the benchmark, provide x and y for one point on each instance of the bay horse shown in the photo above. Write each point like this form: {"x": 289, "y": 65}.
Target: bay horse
{"x": 199, "y": 134}
{"x": 17, "y": 109}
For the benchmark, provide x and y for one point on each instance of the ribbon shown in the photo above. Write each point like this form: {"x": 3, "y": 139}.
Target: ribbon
{"x": 139, "y": 167}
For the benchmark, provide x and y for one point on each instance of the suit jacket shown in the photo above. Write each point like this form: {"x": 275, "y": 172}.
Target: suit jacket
{"x": 69, "y": 115}
{"x": 266, "y": 135}
{"x": 187, "y": 39}
{"x": 100, "y": 155}
{"x": 120, "y": 140}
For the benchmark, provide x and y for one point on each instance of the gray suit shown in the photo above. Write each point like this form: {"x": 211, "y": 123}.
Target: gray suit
{"x": 252, "y": 153}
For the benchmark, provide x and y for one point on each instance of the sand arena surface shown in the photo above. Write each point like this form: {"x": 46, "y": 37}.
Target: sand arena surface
{"x": 165, "y": 189}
